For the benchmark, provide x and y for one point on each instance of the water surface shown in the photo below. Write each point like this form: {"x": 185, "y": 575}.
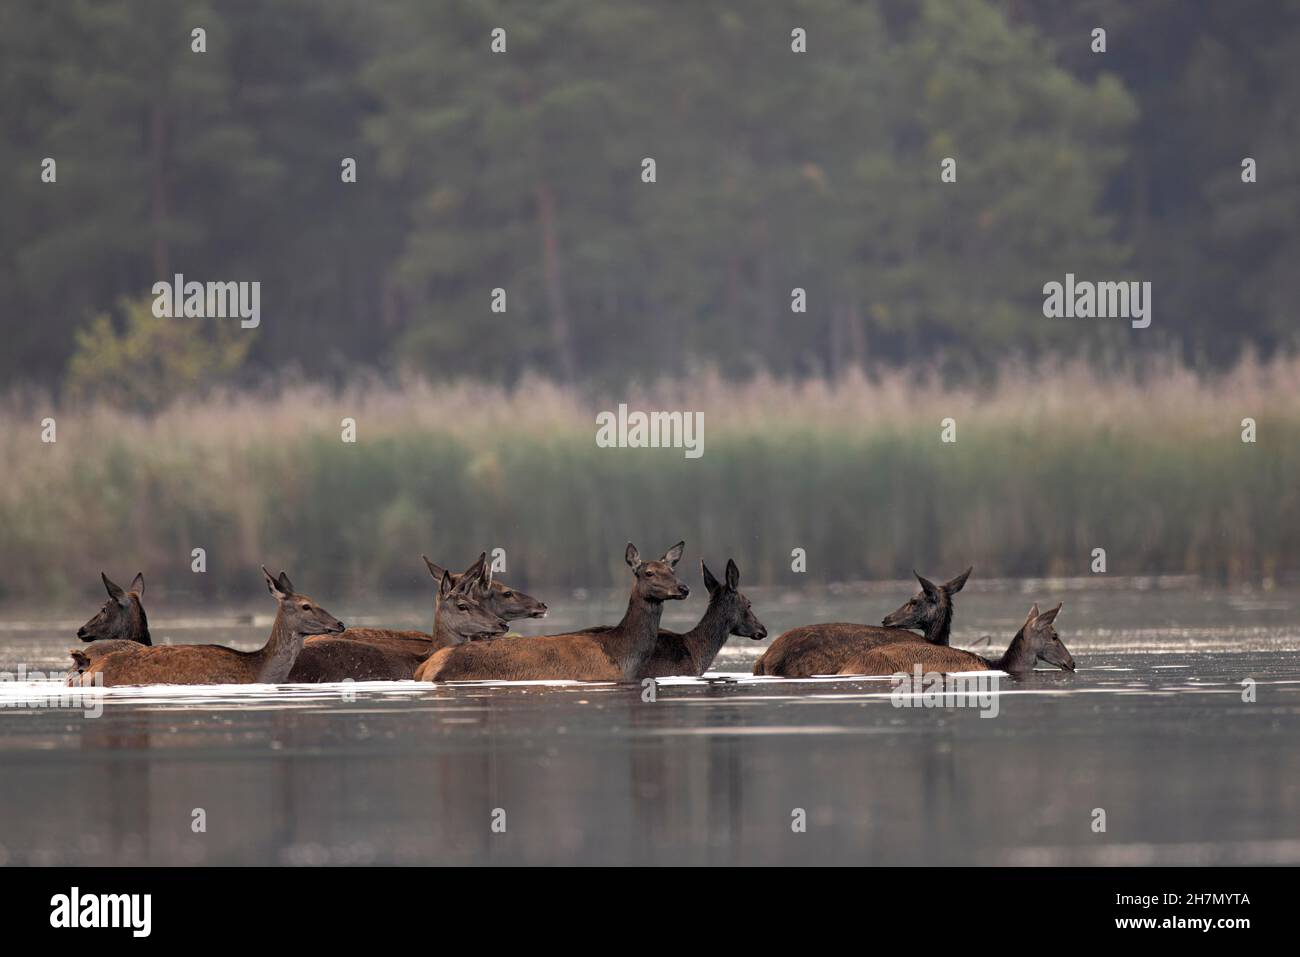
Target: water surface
{"x": 1152, "y": 729}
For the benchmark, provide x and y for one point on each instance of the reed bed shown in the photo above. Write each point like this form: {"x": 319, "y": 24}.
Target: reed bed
{"x": 1050, "y": 462}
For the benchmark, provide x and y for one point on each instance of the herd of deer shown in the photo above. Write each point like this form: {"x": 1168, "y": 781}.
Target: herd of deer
{"x": 308, "y": 644}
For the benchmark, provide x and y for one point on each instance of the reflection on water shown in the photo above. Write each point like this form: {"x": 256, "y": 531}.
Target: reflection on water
{"x": 1186, "y": 771}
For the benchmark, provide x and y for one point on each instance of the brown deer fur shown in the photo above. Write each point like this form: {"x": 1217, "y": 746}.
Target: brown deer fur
{"x": 618, "y": 653}
{"x": 497, "y": 597}
{"x": 824, "y": 649}
{"x": 1037, "y": 640}
{"x": 120, "y": 625}
{"x": 691, "y": 652}
{"x": 459, "y": 618}
{"x": 296, "y": 618}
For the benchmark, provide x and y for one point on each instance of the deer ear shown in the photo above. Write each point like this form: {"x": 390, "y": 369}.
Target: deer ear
{"x": 674, "y": 554}
{"x": 1049, "y": 616}
{"x": 137, "y": 584}
{"x": 114, "y": 590}
{"x": 475, "y": 571}
{"x": 286, "y": 586}
{"x": 445, "y": 586}
{"x": 1029, "y": 619}
{"x": 632, "y": 557}
{"x": 733, "y": 574}
{"x": 927, "y": 586}
{"x": 710, "y": 583}
{"x": 954, "y": 586}
{"x": 486, "y": 578}
{"x": 273, "y": 585}
{"x": 435, "y": 570}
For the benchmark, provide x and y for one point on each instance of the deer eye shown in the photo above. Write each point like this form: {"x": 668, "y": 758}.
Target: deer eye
{"x": 508, "y": 594}
{"x": 306, "y": 607}
{"x": 462, "y": 606}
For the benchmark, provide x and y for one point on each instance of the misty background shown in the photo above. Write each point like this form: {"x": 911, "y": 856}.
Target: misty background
{"x": 522, "y": 171}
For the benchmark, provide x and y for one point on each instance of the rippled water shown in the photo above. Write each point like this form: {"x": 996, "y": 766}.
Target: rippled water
{"x": 1152, "y": 729}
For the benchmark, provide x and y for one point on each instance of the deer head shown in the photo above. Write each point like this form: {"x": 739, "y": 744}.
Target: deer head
{"x": 298, "y": 614}
{"x": 1042, "y": 640}
{"x": 735, "y": 608}
{"x": 122, "y": 615}
{"x": 656, "y": 580}
{"x": 460, "y": 616}
{"x": 497, "y": 597}
{"x": 930, "y": 609}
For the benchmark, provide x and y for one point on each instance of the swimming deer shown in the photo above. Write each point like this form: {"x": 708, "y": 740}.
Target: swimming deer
{"x": 496, "y": 597}
{"x": 459, "y": 618}
{"x": 296, "y": 618}
{"x": 823, "y": 649}
{"x": 615, "y": 653}
{"x": 1036, "y": 641}
{"x": 120, "y": 625}
{"x": 729, "y": 613}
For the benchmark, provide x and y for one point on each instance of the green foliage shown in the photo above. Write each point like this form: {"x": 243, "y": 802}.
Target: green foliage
{"x": 1216, "y": 83}
{"x": 153, "y": 361}
{"x": 775, "y": 170}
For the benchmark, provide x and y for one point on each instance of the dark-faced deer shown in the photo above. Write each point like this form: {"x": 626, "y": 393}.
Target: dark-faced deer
{"x": 459, "y": 618}
{"x": 617, "y": 653}
{"x": 824, "y": 649}
{"x": 496, "y": 597}
{"x": 120, "y": 625}
{"x": 1036, "y": 641}
{"x": 691, "y": 652}
{"x": 296, "y": 618}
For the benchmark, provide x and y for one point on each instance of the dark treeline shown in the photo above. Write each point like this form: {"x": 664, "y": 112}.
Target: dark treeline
{"x": 523, "y": 171}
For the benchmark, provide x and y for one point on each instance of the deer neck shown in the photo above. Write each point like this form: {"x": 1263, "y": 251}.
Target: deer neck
{"x": 276, "y": 657}
{"x": 1018, "y": 656}
{"x": 443, "y": 634}
{"x": 140, "y": 625}
{"x": 940, "y": 630}
{"x": 632, "y": 641}
{"x": 706, "y": 639}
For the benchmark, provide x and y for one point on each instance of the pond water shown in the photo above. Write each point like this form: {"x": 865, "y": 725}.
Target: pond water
{"x": 1152, "y": 731}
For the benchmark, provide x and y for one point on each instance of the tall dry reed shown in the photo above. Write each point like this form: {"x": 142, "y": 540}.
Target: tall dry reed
{"x": 1049, "y": 463}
